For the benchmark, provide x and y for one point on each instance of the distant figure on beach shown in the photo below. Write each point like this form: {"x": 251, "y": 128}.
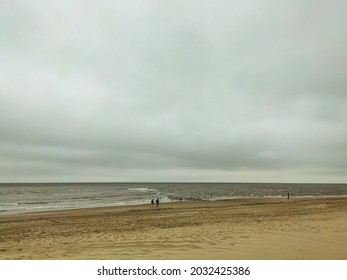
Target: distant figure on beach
{"x": 152, "y": 202}
{"x": 157, "y": 201}
{"x": 288, "y": 195}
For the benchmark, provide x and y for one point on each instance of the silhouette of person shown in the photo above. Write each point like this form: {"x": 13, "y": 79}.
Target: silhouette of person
{"x": 152, "y": 202}
{"x": 157, "y": 201}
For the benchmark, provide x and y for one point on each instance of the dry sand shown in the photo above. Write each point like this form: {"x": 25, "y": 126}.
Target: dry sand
{"x": 314, "y": 228}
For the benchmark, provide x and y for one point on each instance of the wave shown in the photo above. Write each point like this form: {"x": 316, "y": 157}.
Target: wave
{"x": 142, "y": 189}
{"x": 9, "y": 204}
{"x": 33, "y": 203}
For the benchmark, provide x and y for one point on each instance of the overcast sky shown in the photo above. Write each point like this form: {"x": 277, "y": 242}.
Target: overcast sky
{"x": 233, "y": 91}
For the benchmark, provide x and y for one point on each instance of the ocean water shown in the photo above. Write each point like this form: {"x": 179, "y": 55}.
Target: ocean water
{"x": 20, "y": 198}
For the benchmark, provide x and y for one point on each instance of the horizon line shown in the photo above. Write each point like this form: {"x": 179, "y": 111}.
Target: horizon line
{"x": 168, "y": 182}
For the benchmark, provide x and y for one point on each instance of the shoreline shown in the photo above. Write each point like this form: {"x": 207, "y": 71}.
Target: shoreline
{"x": 236, "y": 199}
{"x": 148, "y": 205}
{"x": 248, "y": 228}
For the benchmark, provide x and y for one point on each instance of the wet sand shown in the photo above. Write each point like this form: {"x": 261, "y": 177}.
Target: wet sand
{"x": 306, "y": 228}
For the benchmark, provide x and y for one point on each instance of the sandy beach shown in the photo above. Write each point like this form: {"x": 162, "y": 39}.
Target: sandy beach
{"x": 298, "y": 228}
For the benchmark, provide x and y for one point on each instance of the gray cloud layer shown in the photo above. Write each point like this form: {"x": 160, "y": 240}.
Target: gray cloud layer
{"x": 173, "y": 90}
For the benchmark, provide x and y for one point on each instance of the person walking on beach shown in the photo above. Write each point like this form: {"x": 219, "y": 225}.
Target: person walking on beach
{"x": 157, "y": 201}
{"x": 152, "y": 202}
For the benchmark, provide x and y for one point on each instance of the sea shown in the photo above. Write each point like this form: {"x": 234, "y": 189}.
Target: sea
{"x": 36, "y": 197}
